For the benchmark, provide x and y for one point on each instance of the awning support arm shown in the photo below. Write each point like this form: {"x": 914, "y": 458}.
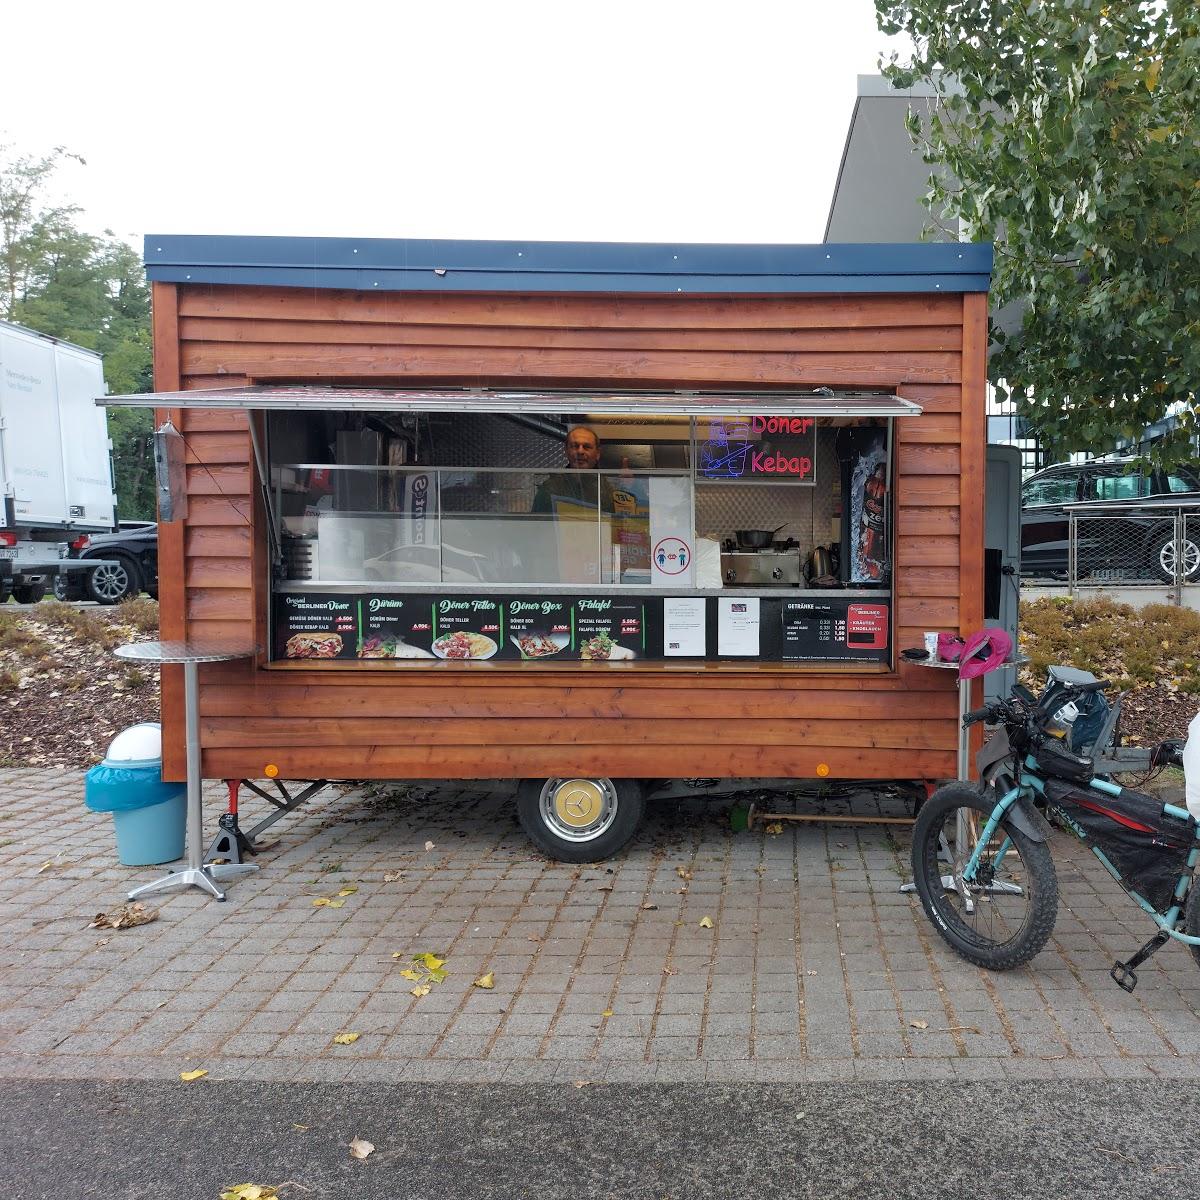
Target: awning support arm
{"x": 264, "y": 483}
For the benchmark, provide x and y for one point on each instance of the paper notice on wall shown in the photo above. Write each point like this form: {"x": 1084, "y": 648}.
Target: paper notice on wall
{"x": 683, "y": 627}
{"x": 738, "y": 626}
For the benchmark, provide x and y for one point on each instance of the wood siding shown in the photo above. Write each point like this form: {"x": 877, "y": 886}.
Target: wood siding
{"x": 454, "y": 722}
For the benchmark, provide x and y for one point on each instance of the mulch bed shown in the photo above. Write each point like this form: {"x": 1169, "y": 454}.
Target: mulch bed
{"x": 63, "y": 695}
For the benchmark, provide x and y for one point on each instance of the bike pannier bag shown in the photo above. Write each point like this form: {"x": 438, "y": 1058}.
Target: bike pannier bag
{"x": 1147, "y": 846}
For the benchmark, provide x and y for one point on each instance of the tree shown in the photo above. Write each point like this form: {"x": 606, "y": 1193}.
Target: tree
{"x": 1066, "y": 131}
{"x": 64, "y": 282}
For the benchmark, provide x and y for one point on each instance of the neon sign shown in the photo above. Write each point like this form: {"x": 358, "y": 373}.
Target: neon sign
{"x": 760, "y": 447}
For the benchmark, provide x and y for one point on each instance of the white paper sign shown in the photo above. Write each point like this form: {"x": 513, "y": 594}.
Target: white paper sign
{"x": 672, "y": 544}
{"x": 683, "y": 627}
{"x": 738, "y": 626}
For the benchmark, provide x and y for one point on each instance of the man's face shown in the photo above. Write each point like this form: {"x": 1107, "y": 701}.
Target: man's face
{"x": 583, "y": 451}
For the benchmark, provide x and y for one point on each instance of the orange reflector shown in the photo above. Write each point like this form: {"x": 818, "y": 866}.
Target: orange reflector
{"x": 822, "y": 769}
{"x": 270, "y": 770}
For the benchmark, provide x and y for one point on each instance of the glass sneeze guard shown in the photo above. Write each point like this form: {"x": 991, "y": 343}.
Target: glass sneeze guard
{"x": 485, "y": 526}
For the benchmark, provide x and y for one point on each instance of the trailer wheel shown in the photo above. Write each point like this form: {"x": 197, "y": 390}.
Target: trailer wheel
{"x": 580, "y": 820}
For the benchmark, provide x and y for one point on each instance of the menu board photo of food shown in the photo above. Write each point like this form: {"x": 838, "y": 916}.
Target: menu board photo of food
{"x": 608, "y": 629}
{"x": 538, "y": 628}
{"x": 468, "y": 629}
{"x": 321, "y": 627}
{"x": 394, "y": 627}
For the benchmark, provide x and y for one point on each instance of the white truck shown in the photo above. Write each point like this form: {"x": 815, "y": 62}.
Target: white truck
{"x": 56, "y": 484}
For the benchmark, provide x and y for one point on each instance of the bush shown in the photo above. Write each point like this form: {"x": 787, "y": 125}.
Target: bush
{"x": 18, "y": 639}
{"x": 140, "y": 613}
{"x": 79, "y": 621}
{"x": 1157, "y": 644}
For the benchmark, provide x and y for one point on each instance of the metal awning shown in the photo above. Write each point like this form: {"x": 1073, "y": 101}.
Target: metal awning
{"x": 822, "y": 402}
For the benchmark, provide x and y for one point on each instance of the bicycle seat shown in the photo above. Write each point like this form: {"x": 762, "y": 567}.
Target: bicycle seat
{"x": 1070, "y": 675}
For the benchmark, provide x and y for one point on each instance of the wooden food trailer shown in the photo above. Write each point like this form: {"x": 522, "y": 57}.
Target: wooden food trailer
{"x": 583, "y": 515}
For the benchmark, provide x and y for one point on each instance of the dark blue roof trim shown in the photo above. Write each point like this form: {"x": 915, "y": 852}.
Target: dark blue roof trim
{"x": 378, "y": 264}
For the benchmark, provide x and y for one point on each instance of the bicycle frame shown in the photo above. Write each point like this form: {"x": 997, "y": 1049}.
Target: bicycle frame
{"x": 1030, "y": 786}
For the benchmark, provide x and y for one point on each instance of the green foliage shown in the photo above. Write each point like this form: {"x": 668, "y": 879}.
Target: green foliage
{"x": 1066, "y": 132}
{"x": 1156, "y": 644}
{"x": 88, "y": 290}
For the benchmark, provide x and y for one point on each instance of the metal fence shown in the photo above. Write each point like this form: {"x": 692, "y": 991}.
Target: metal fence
{"x": 1153, "y": 545}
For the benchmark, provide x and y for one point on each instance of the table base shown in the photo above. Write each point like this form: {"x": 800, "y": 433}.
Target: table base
{"x": 202, "y": 877}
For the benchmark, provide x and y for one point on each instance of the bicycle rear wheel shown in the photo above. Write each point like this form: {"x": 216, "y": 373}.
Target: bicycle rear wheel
{"x": 1006, "y": 915}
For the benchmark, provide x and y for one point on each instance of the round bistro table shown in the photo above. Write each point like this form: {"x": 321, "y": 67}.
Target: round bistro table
{"x": 191, "y": 655}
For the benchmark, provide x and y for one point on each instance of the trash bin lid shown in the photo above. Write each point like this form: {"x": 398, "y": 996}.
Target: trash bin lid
{"x": 138, "y": 746}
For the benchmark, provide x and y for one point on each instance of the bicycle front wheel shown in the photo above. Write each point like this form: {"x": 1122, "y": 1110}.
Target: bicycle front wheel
{"x": 1005, "y": 915}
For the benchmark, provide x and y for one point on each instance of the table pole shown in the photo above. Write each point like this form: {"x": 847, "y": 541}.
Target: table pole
{"x": 195, "y": 797}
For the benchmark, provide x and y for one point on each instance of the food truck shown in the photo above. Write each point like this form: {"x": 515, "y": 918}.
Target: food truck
{"x": 579, "y": 515}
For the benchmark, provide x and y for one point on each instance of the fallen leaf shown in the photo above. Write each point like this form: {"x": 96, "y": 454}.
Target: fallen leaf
{"x": 582, "y": 1083}
{"x": 103, "y": 941}
{"x": 249, "y": 1191}
{"x": 706, "y": 923}
{"x": 919, "y": 1024}
{"x": 125, "y": 917}
{"x": 409, "y": 973}
{"x": 606, "y": 888}
{"x": 392, "y": 876}
{"x": 360, "y": 1148}
{"x": 188, "y": 1076}
{"x": 45, "y": 866}
{"x": 320, "y": 902}
{"x": 299, "y": 1128}
{"x": 336, "y": 903}
{"x": 430, "y": 962}
{"x": 348, "y": 890}
{"x": 346, "y": 1039}
{"x": 649, "y": 908}
{"x": 420, "y": 990}
{"x": 775, "y": 827}
{"x": 436, "y": 976}
{"x": 607, "y": 1012}
{"x": 428, "y": 845}
{"x": 683, "y": 873}
{"x": 487, "y": 982}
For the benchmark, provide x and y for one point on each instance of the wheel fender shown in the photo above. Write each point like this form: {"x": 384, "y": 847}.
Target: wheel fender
{"x": 1028, "y": 820}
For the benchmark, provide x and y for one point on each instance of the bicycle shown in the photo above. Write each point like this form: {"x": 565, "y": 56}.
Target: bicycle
{"x": 981, "y": 863}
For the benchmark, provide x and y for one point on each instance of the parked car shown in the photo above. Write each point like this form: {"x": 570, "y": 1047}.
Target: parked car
{"x": 131, "y": 565}
{"x": 1132, "y": 546}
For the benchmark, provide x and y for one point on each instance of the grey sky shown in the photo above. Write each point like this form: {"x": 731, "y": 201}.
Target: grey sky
{"x": 651, "y": 121}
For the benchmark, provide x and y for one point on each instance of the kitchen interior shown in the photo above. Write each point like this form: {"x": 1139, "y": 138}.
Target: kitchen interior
{"x": 765, "y": 534}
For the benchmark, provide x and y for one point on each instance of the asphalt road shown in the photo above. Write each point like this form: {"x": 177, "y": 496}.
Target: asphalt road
{"x": 126, "y": 1141}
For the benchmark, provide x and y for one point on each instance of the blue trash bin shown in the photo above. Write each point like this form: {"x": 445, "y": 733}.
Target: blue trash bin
{"x": 149, "y": 816}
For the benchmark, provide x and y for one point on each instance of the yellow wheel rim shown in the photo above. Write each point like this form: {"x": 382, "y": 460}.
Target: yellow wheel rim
{"x": 578, "y": 803}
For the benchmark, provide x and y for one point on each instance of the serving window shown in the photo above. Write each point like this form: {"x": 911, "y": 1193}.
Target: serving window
{"x": 580, "y": 536}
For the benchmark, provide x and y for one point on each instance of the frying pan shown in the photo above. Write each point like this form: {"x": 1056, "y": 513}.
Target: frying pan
{"x": 756, "y": 539}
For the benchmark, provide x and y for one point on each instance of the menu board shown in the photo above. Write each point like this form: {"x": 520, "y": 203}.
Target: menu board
{"x": 579, "y": 629}
{"x": 835, "y": 630}
{"x": 393, "y": 627}
{"x": 316, "y": 626}
{"x": 466, "y": 627}
{"x": 609, "y": 629}
{"x": 538, "y": 628}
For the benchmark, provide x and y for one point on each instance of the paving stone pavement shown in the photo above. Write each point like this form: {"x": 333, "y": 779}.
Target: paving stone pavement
{"x": 816, "y": 966}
